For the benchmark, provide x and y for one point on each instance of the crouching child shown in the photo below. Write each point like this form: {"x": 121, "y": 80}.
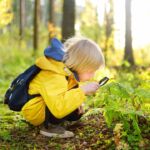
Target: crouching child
{"x": 60, "y": 97}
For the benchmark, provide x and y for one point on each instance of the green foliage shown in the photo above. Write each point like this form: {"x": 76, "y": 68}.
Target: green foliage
{"x": 92, "y": 28}
{"x": 5, "y": 135}
{"x": 19, "y": 59}
{"x": 123, "y": 101}
{"x": 5, "y": 12}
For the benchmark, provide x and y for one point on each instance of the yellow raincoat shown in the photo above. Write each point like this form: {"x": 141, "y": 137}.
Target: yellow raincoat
{"x": 56, "y": 92}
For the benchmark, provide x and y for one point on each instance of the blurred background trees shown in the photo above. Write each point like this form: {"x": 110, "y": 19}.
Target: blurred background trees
{"x": 68, "y": 20}
{"x": 6, "y": 14}
{"x": 128, "y": 56}
{"x": 109, "y": 26}
{"x": 107, "y": 22}
{"x": 36, "y": 24}
{"x": 22, "y": 17}
{"x": 52, "y": 19}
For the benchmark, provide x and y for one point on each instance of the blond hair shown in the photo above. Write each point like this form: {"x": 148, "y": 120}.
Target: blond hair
{"x": 83, "y": 54}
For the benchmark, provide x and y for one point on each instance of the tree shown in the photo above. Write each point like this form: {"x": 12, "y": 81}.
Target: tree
{"x": 22, "y": 18}
{"x": 109, "y": 22}
{"x": 128, "y": 55}
{"x": 51, "y": 21}
{"x": 51, "y": 12}
{"x": 36, "y": 23}
{"x": 68, "y": 21}
{"x": 89, "y": 20}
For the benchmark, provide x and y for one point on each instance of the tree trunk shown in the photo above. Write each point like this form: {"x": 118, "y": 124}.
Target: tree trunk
{"x": 51, "y": 14}
{"x": 109, "y": 22}
{"x": 68, "y": 21}
{"x": 22, "y": 18}
{"x": 128, "y": 55}
{"x": 51, "y": 18}
{"x": 36, "y": 24}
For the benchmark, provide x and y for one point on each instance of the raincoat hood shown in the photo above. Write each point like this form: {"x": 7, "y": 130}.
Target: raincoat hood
{"x": 52, "y": 61}
{"x": 55, "y": 51}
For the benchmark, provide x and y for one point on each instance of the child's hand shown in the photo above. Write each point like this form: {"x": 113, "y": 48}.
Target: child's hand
{"x": 90, "y": 88}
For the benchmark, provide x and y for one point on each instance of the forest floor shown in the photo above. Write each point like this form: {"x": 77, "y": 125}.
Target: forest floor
{"x": 91, "y": 133}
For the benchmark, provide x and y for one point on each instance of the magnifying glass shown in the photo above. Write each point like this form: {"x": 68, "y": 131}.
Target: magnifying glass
{"x": 103, "y": 81}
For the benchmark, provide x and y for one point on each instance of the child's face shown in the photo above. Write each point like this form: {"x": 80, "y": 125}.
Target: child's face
{"x": 85, "y": 76}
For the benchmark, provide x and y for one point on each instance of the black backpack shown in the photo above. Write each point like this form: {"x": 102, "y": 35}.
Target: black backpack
{"x": 17, "y": 94}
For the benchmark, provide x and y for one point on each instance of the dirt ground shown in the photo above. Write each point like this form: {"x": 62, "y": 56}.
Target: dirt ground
{"x": 91, "y": 133}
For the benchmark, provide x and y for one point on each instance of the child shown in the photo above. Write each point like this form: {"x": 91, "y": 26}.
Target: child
{"x": 61, "y": 97}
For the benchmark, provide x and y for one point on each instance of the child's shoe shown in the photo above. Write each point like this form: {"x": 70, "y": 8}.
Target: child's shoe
{"x": 56, "y": 131}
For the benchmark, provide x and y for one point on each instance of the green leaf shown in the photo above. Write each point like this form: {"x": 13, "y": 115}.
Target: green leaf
{"x": 5, "y": 135}
{"x": 118, "y": 90}
{"x": 143, "y": 93}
